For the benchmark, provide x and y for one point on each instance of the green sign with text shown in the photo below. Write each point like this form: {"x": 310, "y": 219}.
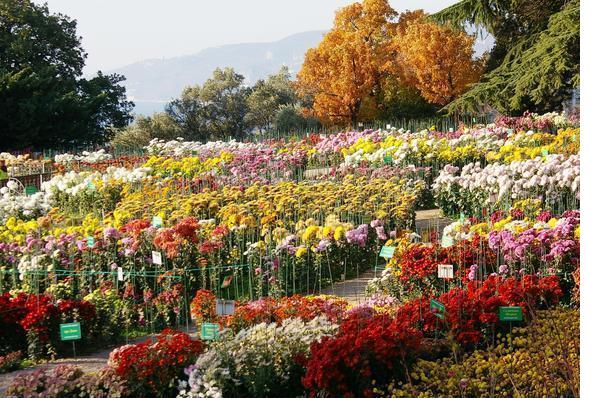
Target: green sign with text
{"x": 70, "y": 331}
{"x": 157, "y": 221}
{"x": 30, "y": 190}
{"x": 387, "y": 251}
{"x": 209, "y": 331}
{"x": 511, "y": 314}
{"x": 437, "y": 308}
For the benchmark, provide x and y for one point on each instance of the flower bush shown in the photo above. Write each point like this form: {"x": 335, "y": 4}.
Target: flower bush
{"x": 278, "y": 310}
{"x": 203, "y": 306}
{"x": 554, "y": 178}
{"x": 152, "y": 369}
{"x": 261, "y": 361}
{"x": 10, "y": 361}
{"x": 471, "y": 313}
{"x": 32, "y": 322}
{"x": 67, "y": 381}
{"x": 366, "y": 352}
{"x": 541, "y": 359}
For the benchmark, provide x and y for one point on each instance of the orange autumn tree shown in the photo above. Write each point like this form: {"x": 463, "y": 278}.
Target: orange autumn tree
{"x": 437, "y": 60}
{"x": 343, "y": 74}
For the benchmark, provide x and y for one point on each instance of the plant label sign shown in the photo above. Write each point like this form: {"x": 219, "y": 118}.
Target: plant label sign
{"x": 509, "y": 314}
{"x": 387, "y": 251}
{"x": 90, "y": 241}
{"x": 437, "y": 308}
{"x": 157, "y": 221}
{"x": 157, "y": 258}
{"x": 30, "y": 190}
{"x": 209, "y": 331}
{"x": 544, "y": 152}
{"x": 225, "y": 307}
{"x": 445, "y": 271}
{"x": 388, "y": 159}
{"x": 120, "y": 276}
{"x": 70, "y": 331}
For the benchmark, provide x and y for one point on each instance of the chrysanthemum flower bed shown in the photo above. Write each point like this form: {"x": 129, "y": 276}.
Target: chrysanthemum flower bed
{"x": 142, "y": 244}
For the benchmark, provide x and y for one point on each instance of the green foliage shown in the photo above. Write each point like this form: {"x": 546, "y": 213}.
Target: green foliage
{"x": 290, "y": 118}
{"x": 223, "y": 107}
{"x": 31, "y": 37}
{"x": 138, "y": 134}
{"x": 403, "y": 101}
{"x": 109, "y": 312}
{"x": 267, "y": 97}
{"x": 44, "y": 101}
{"x": 214, "y": 110}
{"x": 535, "y": 62}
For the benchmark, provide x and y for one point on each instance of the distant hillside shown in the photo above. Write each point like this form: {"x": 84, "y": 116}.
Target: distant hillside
{"x": 154, "y": 82}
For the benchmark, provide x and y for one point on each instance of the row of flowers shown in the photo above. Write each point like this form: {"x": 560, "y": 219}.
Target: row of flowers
{"x": 30, "y": 322}
{"x": 203, "y": 254}
{"x": 555, "y": 179}
{"x": 509, "y": 246}
{"x": 354, "y": 353}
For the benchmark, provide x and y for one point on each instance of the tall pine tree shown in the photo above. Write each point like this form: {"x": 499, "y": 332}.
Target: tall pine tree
{"x": 534, "y": 64}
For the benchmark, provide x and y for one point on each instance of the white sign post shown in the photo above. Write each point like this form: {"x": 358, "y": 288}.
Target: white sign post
{"x": 156, "y": 258}
{"x": 445, "y": 271}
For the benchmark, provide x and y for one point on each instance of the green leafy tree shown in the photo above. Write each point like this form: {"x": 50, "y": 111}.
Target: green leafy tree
{"x": 290, "y": 118}
{"x": 188, "y": 112}
{"x": 44, "y": 102}
{"x": 402, "y": 101}
{"x": 215, "y": 110}
{"x": 138, "y": 134}
{"x": 32, "y": 37}
{"x": 267, "y": 97}
{"x": 535, "y": 60}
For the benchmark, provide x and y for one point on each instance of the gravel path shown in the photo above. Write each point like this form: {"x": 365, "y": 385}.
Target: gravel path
{"x": 353, "y": 290}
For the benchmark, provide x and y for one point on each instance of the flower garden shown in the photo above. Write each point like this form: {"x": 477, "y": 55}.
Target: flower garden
{"x": 148, "y": 245}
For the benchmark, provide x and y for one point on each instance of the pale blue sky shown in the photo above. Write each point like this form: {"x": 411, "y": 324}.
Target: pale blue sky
{"x": 119, "y": 32}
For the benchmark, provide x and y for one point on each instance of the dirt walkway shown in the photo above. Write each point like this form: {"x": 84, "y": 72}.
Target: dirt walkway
{"x": 353, "y": 290}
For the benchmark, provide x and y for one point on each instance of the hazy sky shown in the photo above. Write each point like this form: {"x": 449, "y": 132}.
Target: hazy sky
{"x": 119, "y": 32}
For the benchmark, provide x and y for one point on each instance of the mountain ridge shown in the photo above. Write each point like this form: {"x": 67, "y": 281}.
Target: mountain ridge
{"x": 153, "y": 82}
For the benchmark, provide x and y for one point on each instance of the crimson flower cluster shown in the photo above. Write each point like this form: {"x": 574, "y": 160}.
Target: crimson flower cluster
{"x": 151, "y": 369}
{"x": 473, "y": 310}
{"x": 366, "y": 351}
{"x": 38, "y": 317}
{"x": 418, "y": 264}
{"x": 370, "y": 349}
